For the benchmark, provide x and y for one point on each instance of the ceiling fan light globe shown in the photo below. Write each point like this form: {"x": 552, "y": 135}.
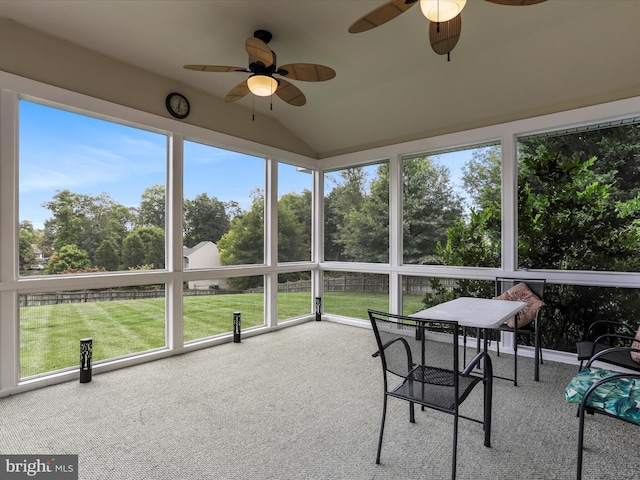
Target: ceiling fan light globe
{"x": 262, "y": 85}
{"x": 441, "y": 10}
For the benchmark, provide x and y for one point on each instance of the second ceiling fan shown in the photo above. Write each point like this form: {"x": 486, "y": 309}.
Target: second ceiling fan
{"x": 263, "y": 67}
{"x": 445, "y": 21}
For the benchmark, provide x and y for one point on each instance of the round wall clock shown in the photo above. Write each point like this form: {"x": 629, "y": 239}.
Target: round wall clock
{"x": 177, "y": 105}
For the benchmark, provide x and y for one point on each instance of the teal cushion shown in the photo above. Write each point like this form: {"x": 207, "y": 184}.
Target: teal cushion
{"x": 619, "y": 397}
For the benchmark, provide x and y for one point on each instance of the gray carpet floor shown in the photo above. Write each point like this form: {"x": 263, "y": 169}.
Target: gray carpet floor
{"x": 303, "y": 403}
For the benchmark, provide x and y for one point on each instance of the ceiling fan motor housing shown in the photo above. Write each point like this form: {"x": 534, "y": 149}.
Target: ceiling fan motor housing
{"x": 263, "y": 35}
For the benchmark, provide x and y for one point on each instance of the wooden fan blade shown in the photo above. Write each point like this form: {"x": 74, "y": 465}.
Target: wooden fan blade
{"x": 259, "y": 51}
{"x": 516, "y": 3}
{"x": 237, "y": 92}
{"x": 446, "y": 38}
{"x": 380, "y": 15}
{"x": 215, "y": 68}
{"x": 307, "y": 72}
{"x": 290, "y": 93}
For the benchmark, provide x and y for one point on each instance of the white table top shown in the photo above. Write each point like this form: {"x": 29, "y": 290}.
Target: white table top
{"x": 473, "y": 312}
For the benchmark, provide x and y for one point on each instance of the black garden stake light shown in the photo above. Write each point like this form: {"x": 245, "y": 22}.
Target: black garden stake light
{"x": 86, "y": 352}
{"x": 236, "y": 327}
{"x": 318, "y": 309}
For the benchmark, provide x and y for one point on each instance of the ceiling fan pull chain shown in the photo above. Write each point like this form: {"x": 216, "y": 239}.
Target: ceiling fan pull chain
{"x": 253, "y": 109}
{"x": 448, "y": 56}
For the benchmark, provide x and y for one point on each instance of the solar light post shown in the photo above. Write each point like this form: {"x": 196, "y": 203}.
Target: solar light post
{"x": 318, "y": 309}
{"x": 86, "y": 353}
{"x": 236, "y": 327}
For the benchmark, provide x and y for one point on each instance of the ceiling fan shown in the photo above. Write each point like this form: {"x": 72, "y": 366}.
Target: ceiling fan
{"x": 445, "y": 20}
{"x": 263, "y": 67}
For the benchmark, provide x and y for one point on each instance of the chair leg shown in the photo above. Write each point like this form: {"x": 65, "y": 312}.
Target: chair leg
{"x": 455, "y": 446}
{"x": 464, "y": 345}
{"x": 515, "y": 361}
{"x": 488, "y": 402}
{"x": 580, "y": 441}
{"x": 537, "y": 357}
{"x": 384, "y": 416}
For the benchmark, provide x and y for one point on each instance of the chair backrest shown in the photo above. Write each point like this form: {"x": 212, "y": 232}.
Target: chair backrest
{"x": 610, "y": 327}
{"x": 536, "y": 285}
{"x": 403, "y": 343}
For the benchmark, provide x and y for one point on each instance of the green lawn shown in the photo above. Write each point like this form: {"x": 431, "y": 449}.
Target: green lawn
{"x": 50, "y": 335}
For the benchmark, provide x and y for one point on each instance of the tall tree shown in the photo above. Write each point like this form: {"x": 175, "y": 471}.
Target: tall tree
{"x": 103, "y": 219}
{"x": 617, "y": 150}
{"x": 153, "y": 243}
{"x": 232, "y": 208}
{"x": 107, "y": 255}
{"x": 294, "y": 227}
{"x": 132, "y": 253}
{"x": 243, "y": 244}
{"x": 143, "y": 248}
{"x": 205, "y": 219}
{"x": 66, "y": 224}
{"x": 481, "y": 177}
{"x": 27, "y": 239}
{"x": 430, "y": 206}
{"x": 86, "y": 221}
{"x": 151, "y": 212}
{"x": 364, "y": 230}
{"x": 347, "y": 195}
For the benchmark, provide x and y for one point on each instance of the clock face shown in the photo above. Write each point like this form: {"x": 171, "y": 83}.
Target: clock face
{"x": 178, "y": 105}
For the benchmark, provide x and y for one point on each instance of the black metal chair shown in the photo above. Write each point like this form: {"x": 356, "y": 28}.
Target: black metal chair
{"x": 604, "y": 334}
{"x": 425, "y": 376}
{"x": 606, "y": 392}
{"x": 532, "y": 329}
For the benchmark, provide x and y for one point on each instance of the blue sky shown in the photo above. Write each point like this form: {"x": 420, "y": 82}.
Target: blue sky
{"x": 63, "y": 150}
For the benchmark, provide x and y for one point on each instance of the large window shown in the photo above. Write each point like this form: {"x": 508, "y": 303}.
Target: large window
{"x": 294, "y": 295}
{"x": 356, "y": 214}
{"x": 224, "y": 207}
{"x": 451, "y": 208}
{"x": 120, "y": 322}
{"x": 578, "y": 205}
{"x": 208, "y": 307}
{"x": 91, "y": 194}
{"x": 351, "y": 294}
{"x": 579, "y": 210}
{"x": 294, "y": 213}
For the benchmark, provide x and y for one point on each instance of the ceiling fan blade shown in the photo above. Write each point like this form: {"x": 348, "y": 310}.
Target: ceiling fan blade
{"x": 307, "y": 72}
{"x": 290, "y": 93}
{"x": 237, "y": 92}
{"x": 380, "y": 15}
{"x": 215, "y": 68}
{"x": 516, "y": 3}
{"x": 444, "y": 36}
{"x": 259, "y": 51}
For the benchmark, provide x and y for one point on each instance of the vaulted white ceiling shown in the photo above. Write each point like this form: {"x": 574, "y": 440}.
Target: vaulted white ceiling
{"x": 510, "y": 62}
